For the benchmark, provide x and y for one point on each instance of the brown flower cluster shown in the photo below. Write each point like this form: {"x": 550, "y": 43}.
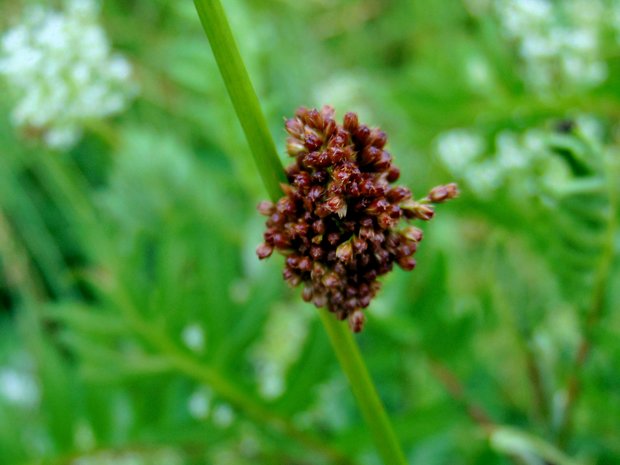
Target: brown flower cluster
{"x": 338, "y": 221}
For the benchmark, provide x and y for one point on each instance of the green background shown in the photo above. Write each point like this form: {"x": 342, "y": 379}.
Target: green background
{"x": 114, "y": 253}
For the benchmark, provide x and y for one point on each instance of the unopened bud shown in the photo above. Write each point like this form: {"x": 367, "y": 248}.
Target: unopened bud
{"x": 331, "y": 280}
{"x": 359, "y": 245}
{"x": 363, "y": 133}
{"x": 291, "y": 276}
{"x": 418, "y": 210}
{"x": 370, "y": 155}
{"x": 264, "y": 250}
{"x": 398, "y": 194}
{"x": 407, "y": 263}
{"x": 366, "y": 232}
{"x": 413, "y": 234}
{"x": 351, "y": 122}
{"x": 393, "y": 174}
{"x": 294, "y": 127}
{"x": 318, "y": 271}
{"x": 312, "y": 139}
{"x": 294, "y": 147}
{"x": 356, "y": 321}
{"x": 315, "y": 119}
{"x": 307, "y": 294}
{"x": 337, "y": 205}
{"x": 265, "y": 208}
{"x": 442, "y": 193}
{"x": 424, "y": 212}
{"x": 330, "y": 128}
{"x": 384, "y": 161}
{"x": 344, "y": 252}
{"x": 386, "y": 221}
{"x": 319, "y": 300}
{"x": 305, "y": 264}
{"x": 378, "y": 138}
{"x": 378, "y": 206}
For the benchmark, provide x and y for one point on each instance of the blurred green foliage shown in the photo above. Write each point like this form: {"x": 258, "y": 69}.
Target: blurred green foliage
{"x": 137, "y": 326}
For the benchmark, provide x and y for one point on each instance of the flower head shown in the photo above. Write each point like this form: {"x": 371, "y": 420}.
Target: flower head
{"x": 338, "y": 223}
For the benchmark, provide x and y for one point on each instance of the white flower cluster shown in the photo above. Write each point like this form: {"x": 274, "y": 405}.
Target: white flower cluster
{"x": 463, "y": 153}
{"x": 61, "y": 69}
{"x": 558, "y": 41}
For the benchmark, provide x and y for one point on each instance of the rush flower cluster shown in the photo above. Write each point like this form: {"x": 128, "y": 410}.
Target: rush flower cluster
{"x": 338, "y": 223}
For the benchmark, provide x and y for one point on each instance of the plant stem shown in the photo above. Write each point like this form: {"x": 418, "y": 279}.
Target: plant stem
{"x": 242, "y": 94}
{"x": 254, "y": 125}
{"x": 363, "y": 388}
{"x": 455, "y": 388}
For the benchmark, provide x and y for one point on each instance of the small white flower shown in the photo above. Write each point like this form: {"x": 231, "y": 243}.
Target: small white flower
{"x": 18, "y": 387}
{"x": 59, "y": 67}
{"x": 199, "y": 403}
{"x": 223, "y": 415}
{"x": 484, "y": 178}
{"x": 510, "y": 154}
{"x": 194, "y": 337}
{"x": 457, "y": 148}
{"x": 62, "y": 138}
{"x": 558, "y": 42}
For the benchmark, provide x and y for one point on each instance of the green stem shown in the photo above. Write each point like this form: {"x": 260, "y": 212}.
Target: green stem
{"x": 254, "y": 125}
{"x": 242, "y": 94}
{"x": 363, "y": 388}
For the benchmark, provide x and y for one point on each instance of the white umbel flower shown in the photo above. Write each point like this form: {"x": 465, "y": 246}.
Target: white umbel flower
{"x": 559, "y": 43}
{"x": 60, "y": 67}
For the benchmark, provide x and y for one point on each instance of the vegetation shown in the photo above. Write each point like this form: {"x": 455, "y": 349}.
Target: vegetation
{"x": 137, "y": 325}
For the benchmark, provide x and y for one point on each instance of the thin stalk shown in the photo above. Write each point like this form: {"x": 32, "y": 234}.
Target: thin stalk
{"x": 455, "y": 389}
{"x": 242, "y": 94}
{"x": 363, "y": 388}
{"x": 252, "y": 120}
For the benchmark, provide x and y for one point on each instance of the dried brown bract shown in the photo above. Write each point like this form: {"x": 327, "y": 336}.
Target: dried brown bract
{"x": 338, "y": 221}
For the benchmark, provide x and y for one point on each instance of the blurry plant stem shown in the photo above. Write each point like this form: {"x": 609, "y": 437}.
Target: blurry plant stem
{"x": 65, "y": 185}
{"x": 242, "y": 94}
{"x": 594, "y": 312}
{"x": 476, "y": 412}
{"x": 198, "y": 370}
{"x": 454, "y": 387}
{"x": 17, "y": 271}
{"x": 492, "y": 430}
{"x": 363, "y": 388}
{"x": 255, "y": 127}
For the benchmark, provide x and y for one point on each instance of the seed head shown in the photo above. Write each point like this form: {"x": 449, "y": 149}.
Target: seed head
{"x": 338, "y": 222}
